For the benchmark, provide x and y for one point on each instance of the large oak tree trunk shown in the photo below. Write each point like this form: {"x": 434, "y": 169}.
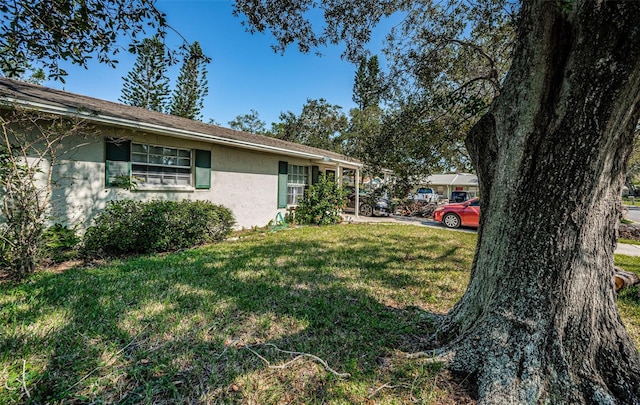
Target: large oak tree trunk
{"x": 539, "y": 321}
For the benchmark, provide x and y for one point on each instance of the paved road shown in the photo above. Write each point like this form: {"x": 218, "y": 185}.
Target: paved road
{"x": 633, "y": 213}
{"x": 622, "y": 248}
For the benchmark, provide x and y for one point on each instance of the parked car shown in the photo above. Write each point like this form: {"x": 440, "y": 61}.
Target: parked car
{"x": 369, "y": 205}
{"x": 461, "y": 196}
{"x": 459, "y": 214}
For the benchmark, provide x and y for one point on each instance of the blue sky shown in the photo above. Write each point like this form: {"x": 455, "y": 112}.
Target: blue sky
{"x": 245, "y": 73}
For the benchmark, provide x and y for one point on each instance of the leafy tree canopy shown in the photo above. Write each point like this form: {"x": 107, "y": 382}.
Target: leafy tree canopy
{"x": 249, "y": 122}
{"x": 320, "y": 125}
{"x": 22, "y": 70}
{"x": 50, "y": 31}
{"x": 447, "y": 62}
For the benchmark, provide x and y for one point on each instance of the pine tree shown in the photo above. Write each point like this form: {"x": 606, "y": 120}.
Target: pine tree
{"x": 367, "y": 88}
{"x": 147, "y": 85}
{"x": 191, "y": 89}
{"x": 366, "y": 120}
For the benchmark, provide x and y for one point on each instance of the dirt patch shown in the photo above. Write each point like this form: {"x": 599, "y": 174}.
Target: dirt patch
{"x": 462, "y": 390}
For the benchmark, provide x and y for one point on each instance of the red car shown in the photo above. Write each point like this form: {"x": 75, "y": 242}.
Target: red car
{"x": 454, "y": 215}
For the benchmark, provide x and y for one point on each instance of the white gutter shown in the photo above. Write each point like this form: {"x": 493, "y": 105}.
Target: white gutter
{"x": 159, "y": 129}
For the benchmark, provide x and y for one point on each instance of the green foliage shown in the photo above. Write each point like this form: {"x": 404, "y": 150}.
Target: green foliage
{"x": 250, "y": 122}
{"x": 125, "y": 182}
{"x": 319, "y": 125}
{"x": 30, "y": 146}
{"x": 21, "y": 219}
{"x": 21, "y": 69}
{"x": 321, "y": 204}
{"x": 362, "y": 138}
{"x": 191, "y": 89}
{"x": 48, "y": 32}
{"x": 147, "y": 85}
{"x": 60, "y": 242}
{"x": 446, "y": 62}
{"x": 127, "y": 226}
{"x": 414, "y": 144}
{"x": 367, "y": 85}
{"x": 632, "y": 179}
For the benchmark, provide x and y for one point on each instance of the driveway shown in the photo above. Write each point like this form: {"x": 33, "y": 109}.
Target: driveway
{"x": 621, "y": 249}
{"x": 633, "y": 213}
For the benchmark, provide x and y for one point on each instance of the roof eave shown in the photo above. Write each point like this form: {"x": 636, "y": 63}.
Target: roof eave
{"x": 179, "y": 133}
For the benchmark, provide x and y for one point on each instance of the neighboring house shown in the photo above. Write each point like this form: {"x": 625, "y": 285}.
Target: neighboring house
{"x": 170, "y": 158}
{"x": 446, "y": 184}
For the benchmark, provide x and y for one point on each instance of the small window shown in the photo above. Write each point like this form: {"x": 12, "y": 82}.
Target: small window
{"x": 297, "y": 180}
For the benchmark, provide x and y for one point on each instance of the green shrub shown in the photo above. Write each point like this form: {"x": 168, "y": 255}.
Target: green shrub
{"x": 321, "y": 204}
{"x": 59, "y": 243}
{"x": 127, "y": 226}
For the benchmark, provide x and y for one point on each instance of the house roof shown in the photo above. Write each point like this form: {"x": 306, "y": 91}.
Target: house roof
{"x": 455, "y": 179}
{"x": 59, "y": 102}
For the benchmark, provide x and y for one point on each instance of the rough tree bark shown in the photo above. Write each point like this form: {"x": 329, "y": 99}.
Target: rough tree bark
{"x": 539, "y": 322}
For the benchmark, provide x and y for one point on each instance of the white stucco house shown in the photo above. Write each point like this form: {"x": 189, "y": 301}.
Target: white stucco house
{"x": 170, "y": 158}
{"x": 446, "y": 184}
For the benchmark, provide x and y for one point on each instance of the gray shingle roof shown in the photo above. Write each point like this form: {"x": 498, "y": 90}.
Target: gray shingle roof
{"x": 129, "y": 116}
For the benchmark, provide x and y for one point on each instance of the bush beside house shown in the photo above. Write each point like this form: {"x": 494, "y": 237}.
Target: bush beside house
{"x": 156, "y": 226}
{"x": 322, "y": 203}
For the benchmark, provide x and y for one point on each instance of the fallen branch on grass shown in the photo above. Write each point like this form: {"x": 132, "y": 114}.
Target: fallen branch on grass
{"x": 24, "y": 378}
{"x": 380, "y": 388}
{"x": 299, "y": 355}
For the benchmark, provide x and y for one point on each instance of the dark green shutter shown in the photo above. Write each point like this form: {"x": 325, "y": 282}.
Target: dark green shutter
{"x": 283, "y": 170}
{"x": 117, "y": 156}
{"x": 203, "y": 169}
{"x": 315, "y": 174}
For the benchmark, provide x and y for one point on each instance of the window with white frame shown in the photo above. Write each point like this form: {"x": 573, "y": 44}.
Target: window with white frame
{"x": 160, "y": 166}
{"x": 297, "y": 180}
{"x": 156, "y": 167}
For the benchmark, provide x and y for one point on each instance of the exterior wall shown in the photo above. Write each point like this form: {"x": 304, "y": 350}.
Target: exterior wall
{"x": 247, "y": 183}
{"x": 242, "y": 180}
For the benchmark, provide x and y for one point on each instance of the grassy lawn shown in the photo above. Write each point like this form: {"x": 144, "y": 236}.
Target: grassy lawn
{"x": 217, "y": 324}
{"x": 629, "y": 241}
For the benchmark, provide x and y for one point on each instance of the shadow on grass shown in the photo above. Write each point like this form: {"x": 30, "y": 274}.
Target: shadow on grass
{"x": 167, "y": 328}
